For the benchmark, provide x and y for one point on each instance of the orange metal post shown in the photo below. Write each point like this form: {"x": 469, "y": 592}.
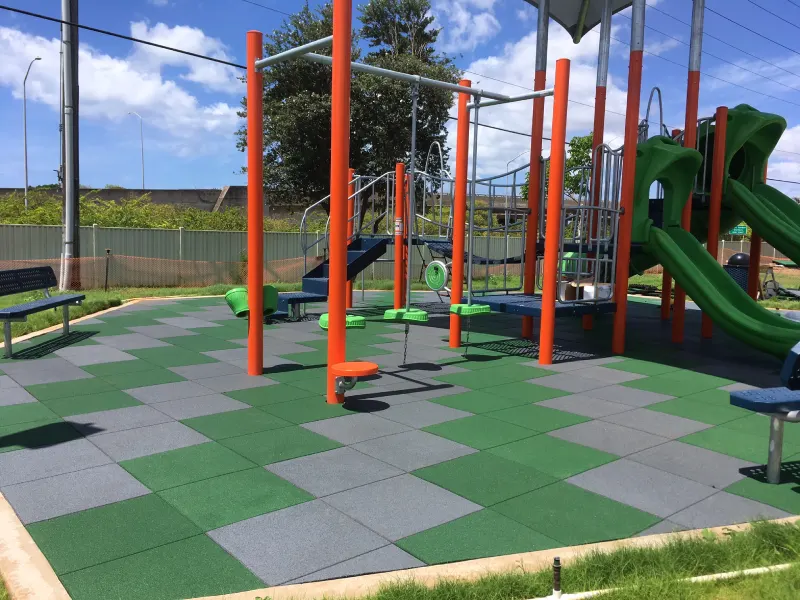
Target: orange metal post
{"x": 340, "y": 152}
{"x": 459, "y": 213}
{"x": 399, "y": 240}
{"x": 715, "y": 201}
{"x": 628, "y": 177}
{"x": 555, "y": 196}
{"x": 666, "y": 278}
{"x": 255, "y": 205}
{"x": 754, "y": 269}
{"x": 351, "y": 191}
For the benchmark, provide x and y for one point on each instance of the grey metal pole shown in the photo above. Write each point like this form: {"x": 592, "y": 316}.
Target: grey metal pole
{"x": 69, "y": 147}
{"x": 25, "y": 126}
{"x": 472, "y": 199}
{"x": 775, "y": 449}
{"x": 141, "y": 140}
{"x": 605, "y": 45}
{"x": 412, "y": 208}
{"x": 696, "y": 40}
{"x": 294, "y": 52}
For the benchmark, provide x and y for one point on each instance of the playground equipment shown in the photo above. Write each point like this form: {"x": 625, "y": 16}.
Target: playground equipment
{"x": 237, "y": 301}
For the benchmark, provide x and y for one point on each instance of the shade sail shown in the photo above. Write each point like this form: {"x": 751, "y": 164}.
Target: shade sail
{"x": 579, "y": 16}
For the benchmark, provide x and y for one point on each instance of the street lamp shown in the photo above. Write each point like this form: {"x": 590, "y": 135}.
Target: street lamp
{"x": 141, "y": 138}
{"x": 25, "y": 126}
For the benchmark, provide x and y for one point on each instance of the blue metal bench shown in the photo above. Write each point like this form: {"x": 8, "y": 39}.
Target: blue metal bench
{"x": 780, "y": 404}
{"x": 17, "y": 281}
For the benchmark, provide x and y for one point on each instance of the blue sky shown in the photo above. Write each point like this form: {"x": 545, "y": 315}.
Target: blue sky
{"x": 189, "y": 106}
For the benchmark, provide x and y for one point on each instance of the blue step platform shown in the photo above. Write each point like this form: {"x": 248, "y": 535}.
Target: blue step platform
{"x": 528, "y": 305}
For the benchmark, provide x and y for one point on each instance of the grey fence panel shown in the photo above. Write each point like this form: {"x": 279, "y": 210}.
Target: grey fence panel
{"x": 22, "y": 242}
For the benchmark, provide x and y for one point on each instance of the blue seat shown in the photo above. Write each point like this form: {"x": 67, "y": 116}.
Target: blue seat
{"x": 769, "y": 400}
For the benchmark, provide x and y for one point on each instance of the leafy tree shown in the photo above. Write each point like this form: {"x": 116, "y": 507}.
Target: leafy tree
{"x": 399, "y": 27}
{"x": 579, "y": 155}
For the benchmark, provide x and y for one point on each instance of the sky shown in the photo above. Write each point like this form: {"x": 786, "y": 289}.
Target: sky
{"x": 188, "y": 106}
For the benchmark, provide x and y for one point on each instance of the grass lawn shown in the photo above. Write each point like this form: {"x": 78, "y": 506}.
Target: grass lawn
{"x": 3, "y": 593}
{"x": 645, "y": 573}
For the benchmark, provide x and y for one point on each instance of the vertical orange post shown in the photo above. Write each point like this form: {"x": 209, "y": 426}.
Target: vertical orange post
{"x": 459, "y": 213}
{"x": 628, "y": 176}
{"x": 340, "y": 152}
{"x": 255, "y": 205}
{"x": 666, "y": 278}
{"x": 555, "y": 196}
{"x": 351, "y": 203}
{"x": 399, "y": 240}
{"x": 715, "y": 201}
{"x": 754, "y": 268}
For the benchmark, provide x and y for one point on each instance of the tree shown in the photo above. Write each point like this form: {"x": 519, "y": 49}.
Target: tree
{"x": 579, "y": 156}
{"x": 400, "y": 27}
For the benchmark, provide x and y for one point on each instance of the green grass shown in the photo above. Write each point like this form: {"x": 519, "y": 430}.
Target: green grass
{"x": 3, "y": 593}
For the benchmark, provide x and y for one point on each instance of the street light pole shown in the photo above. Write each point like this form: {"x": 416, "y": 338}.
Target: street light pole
{"x": 25, "y": 126}
{"x": 141, "y": 139}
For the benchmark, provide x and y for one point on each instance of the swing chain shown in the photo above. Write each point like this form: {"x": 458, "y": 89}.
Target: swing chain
{"x": 405, "y": 344}
{"x": 466, "y": 342}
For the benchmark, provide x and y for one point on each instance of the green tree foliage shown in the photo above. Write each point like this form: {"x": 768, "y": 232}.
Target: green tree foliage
{"x": 579, "y": 155}
{"x": 297, "y": 101}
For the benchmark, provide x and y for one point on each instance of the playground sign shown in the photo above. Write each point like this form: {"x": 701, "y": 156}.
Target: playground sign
{"x": 739, "y": 230}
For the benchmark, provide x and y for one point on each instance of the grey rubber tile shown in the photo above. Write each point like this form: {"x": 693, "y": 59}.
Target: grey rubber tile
{"x": 388, "y": 558}
{"x": 278, "y": 347}
{"x": 413, "y": 449}
{"x": 391, "y": 396}
{"x": 352, "y": 429}
{"x": 334, "y": 471}
{"x": 6, "y": 382}
{"x": 601, "y": 373}
{"x": 36, "y": 463}
{"x": 401, "y": 506}
{"x": 574, "y": 365}
{"x": 422, "y": 414}
{"x": 287, "y": 544}
{"x": 164, "y": 392}
{"x": 609, "y": 437}
{"x": 130, "y": 341}
{"x": 435, "y": 389}
{"x": 586, "y": 405}
{"x": 119, "y": 419}
{"x": 199, "y": 406}
{"x": 725, "y": 509}
{"x": 737, "y": 387}
{"x": 627, "y": 395}
{"x": 45, "y": 370}
{"x": 695, "y": 463}
{"x": 71, "y": 492}
{"x": 83, "y": 356}
{"x": 188, "y": 322}
{"x": 665, "y": 526}
{"x": 161, "y": 331}
{"x": 133, "y": 443}
{"x": 233, "y": 382}
{"x": 289, "y": 334}
{"x": 651, "y": 490}
{"x": 209, "y": 370}
{"x": 420, "y": 352}
{"x": 568, "y": 382}
{"x": 657, "y": 423}
{"x": 14, "y": 395}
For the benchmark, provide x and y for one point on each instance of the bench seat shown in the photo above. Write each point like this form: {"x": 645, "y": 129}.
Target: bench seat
{"x": 35, "y": 306}
{"x": 769, "y": 401}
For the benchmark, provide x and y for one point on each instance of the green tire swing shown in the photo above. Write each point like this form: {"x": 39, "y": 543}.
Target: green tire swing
{"x": 351, "y": 322}
{"x": 406, "y": 316}
{"x": 237, "y": 301}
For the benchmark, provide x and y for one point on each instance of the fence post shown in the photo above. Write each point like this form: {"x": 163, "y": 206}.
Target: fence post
{"x": 94, "y": 240}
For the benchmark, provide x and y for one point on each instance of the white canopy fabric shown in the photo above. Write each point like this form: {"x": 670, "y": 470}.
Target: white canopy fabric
{"x": 579, "y": 16}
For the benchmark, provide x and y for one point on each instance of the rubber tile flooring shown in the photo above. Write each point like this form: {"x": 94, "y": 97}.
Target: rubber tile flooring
{"x": 146, "y": 464}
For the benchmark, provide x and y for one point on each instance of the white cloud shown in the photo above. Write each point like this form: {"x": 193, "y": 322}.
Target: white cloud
{"x": 466, "y": 23}
{"x": 525, "y": 13}
{"x": 158, "y": 2}
{"x": 111, "y": 87}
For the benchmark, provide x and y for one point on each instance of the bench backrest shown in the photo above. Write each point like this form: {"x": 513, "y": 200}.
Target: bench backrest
{"x": 26, "y": 280}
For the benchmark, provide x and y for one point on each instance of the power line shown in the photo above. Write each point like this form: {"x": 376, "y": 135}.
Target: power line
{"x": 266, "y": 7}
{"x": 753, "y": 31}
{"x": 120, "y": 36}
{"x": 783, "y": 180}
{"x": 793, "y": 3}
{"x": 776, "y": 15}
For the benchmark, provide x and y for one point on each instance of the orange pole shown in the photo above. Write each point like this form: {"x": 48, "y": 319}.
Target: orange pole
{"x": 715, "y": 201}
{"x": 555, "y": 196}
{"x": 459, "y": 213}
{"x": 754, "y": 269}
{"x": 666, "y": 278}
{"x": 255, "y": 205}
{"x": 628, "y": 177}
{"x": 340, "y": 152}
{"x": 351, "y": 191}
{"x": 399, "y": 240}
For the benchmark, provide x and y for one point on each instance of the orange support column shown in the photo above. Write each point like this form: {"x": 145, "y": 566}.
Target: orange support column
{"x": 715, "y": 201}
{"x": 459, "y": 213}
{"x": 255, "y": 205}
{"x": 555, "y": 196}
{"x": 351, "y": 203}
{"x": 340, "y": 152}
{"x": 399, "y": 240}
{"x": 628, "y": 176}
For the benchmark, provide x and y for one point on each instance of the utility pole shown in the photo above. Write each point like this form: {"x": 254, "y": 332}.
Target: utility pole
{"x": 69, "y": 36}
{"x": 141, "y": 140}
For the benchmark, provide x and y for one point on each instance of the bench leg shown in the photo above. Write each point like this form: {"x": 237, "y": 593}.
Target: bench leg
{"x": 295, "y": 312}
{"x": 7, "y": 338}
{"x": 775, "y": 450}
{"x": 65, "y": 312}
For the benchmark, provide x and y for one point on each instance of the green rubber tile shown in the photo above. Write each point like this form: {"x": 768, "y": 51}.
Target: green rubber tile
{"x": 305, "y": 410}
{"x": 188, "y": 568}
{"x": 785, "y": 495}
{"x": 33, "y": 434}
{"x": 236, "y": 422}
{"x": 316, "y": 384}
{"x": 66, "y": 389}
{"x": 677, "y": 383}
{"x": 202, "y": 343}
{"x": 555, "y": 457}
{"x": 705, "y": 412}
{"x": 572, "y": 515}
{"x": 266, "y": 447}
{"x": 479, "y": 432}
{"x": 642, "y": 367}
{"x": 172, "y": 356}
{"x": 538, "y": 418}
{"x": 79, "y": 405}
{"x": 308, "y": 359}
{"x": 529, "y": 392}
{"x": 155, "y": 376}
{"x": 25, "y": 413}
{"x": 226, "y": 499}
{"x": 224, "y": 333}
{"x": 481, "y": 534}
{"x": 90, "y": 537}
{"x": 273, "y": 394}
{"x": 484, "y": 478}
{"x": 475, "y": 380}
{"x": 479, "y": 401}
{"x": 292, "y": 373}
{"x": 759, "y": 425}
{"x": 117, "y": 368}
{"x": 185, "y": 465}
{"x": 745, "y": 446}
{"x": 715, "y": 397}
